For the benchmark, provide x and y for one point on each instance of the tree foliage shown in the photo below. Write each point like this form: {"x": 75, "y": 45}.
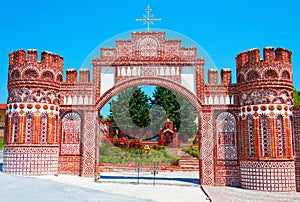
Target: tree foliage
{"x": 296, "y": 97}
{"x": 130, "y": 110}
{"x": 135, "y": 113}
{"x": 168, "y": 101}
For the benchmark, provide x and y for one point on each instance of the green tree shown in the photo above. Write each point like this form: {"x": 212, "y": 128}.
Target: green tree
{"x": 188, "y": 118}
{"x": 177, "y": 109}
{"x": 168, "y": 101}
{"x": 139, "y": 106}
{"x": 130, "y": 111}
{"x": 296, "y": 97}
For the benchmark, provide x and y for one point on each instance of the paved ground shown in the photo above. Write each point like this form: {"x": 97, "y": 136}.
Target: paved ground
{"x": 224, "y": 194}
{"x": 122, "y": 186}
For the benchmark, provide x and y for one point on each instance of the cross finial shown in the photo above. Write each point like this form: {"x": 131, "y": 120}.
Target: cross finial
{"x": 149, "y": 19}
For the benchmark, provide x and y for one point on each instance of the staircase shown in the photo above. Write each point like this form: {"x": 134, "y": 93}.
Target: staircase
{"x": 188, "y": 162}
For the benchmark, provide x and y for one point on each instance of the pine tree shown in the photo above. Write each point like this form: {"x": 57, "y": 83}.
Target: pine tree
{"x": 188, "y": 118}
{"x": 168, "y": 101}
{"x": 130, "y": 111}
{"x": 177, "y": 109}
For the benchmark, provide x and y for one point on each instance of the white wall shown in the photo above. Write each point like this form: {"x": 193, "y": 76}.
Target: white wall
{"x": 108, "y": 78}
{"x": 188, "y": 78}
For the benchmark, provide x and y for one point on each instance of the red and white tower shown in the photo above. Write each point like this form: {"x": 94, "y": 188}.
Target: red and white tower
{"x": 265, "y": 87}
{"x": 32, "y": 136}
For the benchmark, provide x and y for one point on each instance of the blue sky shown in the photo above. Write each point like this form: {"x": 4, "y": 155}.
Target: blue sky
{"x": 74, "y": 28}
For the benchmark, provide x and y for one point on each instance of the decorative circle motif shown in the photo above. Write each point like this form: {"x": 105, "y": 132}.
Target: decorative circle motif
{"x": 243, "y": 109}
{"x": 29, "y": 106}
{"x": 52, "y": 107}
{"x": 286, "y": 108}
{"x": 45, "y": 107}
{"x": 271, "y": 107}
{"x": 249, "y": 109}
{"x": 255, "y": 108}
{"x": 263, "y": 107}
{"x": 22, "y": 106}
{"x": 279, "y": 107}
{"x": 37, "y": 106}
{"x": 15, "y": 106}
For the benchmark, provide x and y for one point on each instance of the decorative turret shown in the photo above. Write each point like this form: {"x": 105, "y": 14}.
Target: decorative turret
{"x": 33, "y": 113}
{"x": 48, "y": 70}
{"x": 265, "y": 87}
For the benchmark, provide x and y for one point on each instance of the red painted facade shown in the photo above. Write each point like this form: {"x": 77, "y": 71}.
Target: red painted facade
{"x": 247, "y": 130}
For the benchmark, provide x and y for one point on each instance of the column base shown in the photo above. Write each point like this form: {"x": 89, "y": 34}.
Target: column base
{"x": 268, "y": 175}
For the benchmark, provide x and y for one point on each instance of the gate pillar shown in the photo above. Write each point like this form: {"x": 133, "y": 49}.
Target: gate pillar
{"x": 206, "y": 155}
{"x": 89, "y": 144}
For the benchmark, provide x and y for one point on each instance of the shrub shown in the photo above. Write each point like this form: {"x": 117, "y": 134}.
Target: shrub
{"x": 1, "y": 143}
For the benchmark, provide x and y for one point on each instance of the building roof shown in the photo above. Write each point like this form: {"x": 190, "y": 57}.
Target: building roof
{"x": 3, "y": 106}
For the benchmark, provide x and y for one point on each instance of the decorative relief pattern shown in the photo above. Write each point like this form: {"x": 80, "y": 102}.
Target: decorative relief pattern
{"x": 30, "y": 160}
{"x": 148, "y": 47}
{"x": 207, "y": 149}
{"x": 251, "y": 137}
{"x": 268, "y": 176}
{"x": 266, "y": 137}
{"x": 279, "y": 137}
{"x": 89, "y": 142}
{"x": 226, "y": 136}
{"x": 71, "y": 134}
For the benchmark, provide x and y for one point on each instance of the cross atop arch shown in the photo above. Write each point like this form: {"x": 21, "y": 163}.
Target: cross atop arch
{"x": 149, "y": 19}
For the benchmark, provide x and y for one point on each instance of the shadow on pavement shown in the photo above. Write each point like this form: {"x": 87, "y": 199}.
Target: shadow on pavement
{"x": 189, "y": 180}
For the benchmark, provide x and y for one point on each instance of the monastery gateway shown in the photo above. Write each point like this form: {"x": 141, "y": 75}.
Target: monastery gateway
{"x": 247, "y": 130}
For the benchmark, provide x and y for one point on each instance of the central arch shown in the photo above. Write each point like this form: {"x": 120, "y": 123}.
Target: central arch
{"x": 156, "y": 81}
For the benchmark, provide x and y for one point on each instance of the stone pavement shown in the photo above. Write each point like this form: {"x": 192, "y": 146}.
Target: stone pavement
{"x": 191, "y": 179}
{"x": 224, "y": 194}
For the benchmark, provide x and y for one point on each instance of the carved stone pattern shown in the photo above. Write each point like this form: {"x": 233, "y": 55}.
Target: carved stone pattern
{"x": 207, "y": 149}
{"x": 89, "y": 142}
{"x": 148, "y": 47}
{"x": 268, "y": 176}
{"x": 71, "y": 132}
{"x": 35, "y": 160}
{"x": 226, "y": 129}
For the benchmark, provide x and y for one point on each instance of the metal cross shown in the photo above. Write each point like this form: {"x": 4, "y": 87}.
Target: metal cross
{"x": 149, "y": 19}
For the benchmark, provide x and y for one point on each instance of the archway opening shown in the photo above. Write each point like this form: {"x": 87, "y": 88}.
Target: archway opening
{"x": 149, "y": 127}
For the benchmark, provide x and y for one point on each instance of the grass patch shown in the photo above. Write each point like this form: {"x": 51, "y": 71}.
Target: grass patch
{"x": 1, "y": 143}
{"x": 193, "y": 151}
{"x": 112, "y": 154}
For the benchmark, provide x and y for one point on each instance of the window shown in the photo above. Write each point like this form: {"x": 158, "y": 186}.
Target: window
{"x": 250, "y": 137}
{"x": 47, "y": 75}
{"x": 29, "y": 130}
{"x": 271, "y": 74}
{"x": 266, "y": 140}
{"x": 31, "y": 73}
{"x": 253, "y": 75}
{"x": 44, "y": 129}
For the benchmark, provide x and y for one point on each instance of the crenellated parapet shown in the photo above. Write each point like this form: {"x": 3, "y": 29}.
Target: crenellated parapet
{"x": 275, "y": 66}
{"x": 25, "y": 66}
{"x": 72, "y": 76}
